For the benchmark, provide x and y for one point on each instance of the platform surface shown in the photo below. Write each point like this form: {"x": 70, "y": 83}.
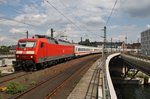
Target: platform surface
{"x": 80, "y": 91}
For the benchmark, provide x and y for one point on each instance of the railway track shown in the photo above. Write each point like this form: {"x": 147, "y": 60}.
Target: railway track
{"x": 68, "y": 79}
{"x": 11, "y": 77}
{"x": 51, "y": 86}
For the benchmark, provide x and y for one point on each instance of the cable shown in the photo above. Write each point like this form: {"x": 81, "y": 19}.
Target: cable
{"x": 19, "y": 12}
{"x": 74, "y": 23}
{"x": 62, "y": 14}
{"x": 68, "y": 18}
{"x": 1, "y": 18}
{"x": 75, "y": 18}
{"x": 71, "y": 20}
{"x": 111, "y": 12}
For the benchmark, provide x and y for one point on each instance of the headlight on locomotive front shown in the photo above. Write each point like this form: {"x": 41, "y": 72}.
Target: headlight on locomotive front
{"x": 17, "y": 56}
{"x": 31, "y": 56}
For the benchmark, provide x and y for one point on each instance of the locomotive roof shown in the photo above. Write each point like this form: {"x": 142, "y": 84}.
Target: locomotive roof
{"x": 50, "y": 40}
{"x": 43, "y": 36}
{"x": 53, "y": 40}
{"x": 25, "y": 39}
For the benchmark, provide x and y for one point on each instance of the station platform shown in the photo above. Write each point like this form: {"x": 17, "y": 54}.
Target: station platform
{"x": 82, "y": 88}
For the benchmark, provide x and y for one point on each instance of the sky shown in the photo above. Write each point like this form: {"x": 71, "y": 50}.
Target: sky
{"x": 74, "y": 19}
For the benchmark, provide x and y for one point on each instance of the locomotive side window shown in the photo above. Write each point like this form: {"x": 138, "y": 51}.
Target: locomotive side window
{"x": 42, "y": 45}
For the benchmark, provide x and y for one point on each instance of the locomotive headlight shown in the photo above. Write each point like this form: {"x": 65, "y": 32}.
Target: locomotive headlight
{"x": 31, "y": 56}
{"x": 17, "y": 56}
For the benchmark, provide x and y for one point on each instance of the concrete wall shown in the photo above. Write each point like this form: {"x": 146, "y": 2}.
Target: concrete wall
{"x": 110, "y": 84}
{"x": 6, "y": 62}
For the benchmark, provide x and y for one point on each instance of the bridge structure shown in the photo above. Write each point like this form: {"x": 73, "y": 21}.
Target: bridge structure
{"x": 141, "y": 64}
{"x": 114, "y": 65}
{"x": 117, "y": 66}
{"x": 97, "y": 82}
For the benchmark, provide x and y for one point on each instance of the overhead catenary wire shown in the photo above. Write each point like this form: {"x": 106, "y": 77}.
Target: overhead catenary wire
{"x": 111, "y": 13}
{"x": 2, "y": 18}
{"x": 77, "y": 26}
{"x": 67, "y": 17}
{"x": 19, "y": 12}
{"x": 62, "y": 14}
{"x": 86, "y": 29}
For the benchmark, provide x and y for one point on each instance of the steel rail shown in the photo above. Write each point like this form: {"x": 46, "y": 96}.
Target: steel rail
{"x": 12, "y": 78}
{"x": 84, "y": 68}
{"x": 78, "y": 69}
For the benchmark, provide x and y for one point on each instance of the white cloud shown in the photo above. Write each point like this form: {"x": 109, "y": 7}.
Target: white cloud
{"x": 2, "y": 38}
{"x": 148, "y": 26}
{"x": 94, "y": 21}
{"x": 30, "y": 9}
{"x": 131, "y": 31}
{"x": 17, "y": 30}
{"x": 3, "y": 1}
{"x": 114, "y": 26}
{"x": 86, "y": 16}
{"x": 33, "y": 19}
{"x": 10, "y": 2}
{"x": 137, "y": 8}
{"x": 12, "y": 23}
{"x": 119, "y": 38}
{"x": 81, "y": 15}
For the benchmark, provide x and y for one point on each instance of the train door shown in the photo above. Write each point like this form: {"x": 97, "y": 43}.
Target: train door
{"x": 42, "y": 51}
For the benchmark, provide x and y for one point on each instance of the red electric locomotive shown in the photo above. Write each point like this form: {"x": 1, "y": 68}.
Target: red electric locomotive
{"x": 40, "y": 50}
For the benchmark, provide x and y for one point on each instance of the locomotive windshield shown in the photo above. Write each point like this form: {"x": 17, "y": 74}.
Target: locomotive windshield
{"x": 24, "y": 44}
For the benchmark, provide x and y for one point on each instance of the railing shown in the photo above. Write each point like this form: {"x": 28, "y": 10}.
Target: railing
{"x": 138, "y": 63}
{"x": 108, "y": 88}
{"x": 106, "y": 92}
{"x": 137, "y": 57}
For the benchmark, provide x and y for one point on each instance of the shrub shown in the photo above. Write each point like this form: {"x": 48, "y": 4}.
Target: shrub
{"x": 33, "y": 83}
{"x": 14, "y": 88}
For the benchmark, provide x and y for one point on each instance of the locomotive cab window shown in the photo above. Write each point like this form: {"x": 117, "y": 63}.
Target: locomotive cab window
{"x": 29, "y": 44}
{"x": 42, "y": 45}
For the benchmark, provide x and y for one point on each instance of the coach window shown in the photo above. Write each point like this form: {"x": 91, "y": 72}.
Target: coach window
{"x": 76, "y": 49}
{"x": 42, "y": 45}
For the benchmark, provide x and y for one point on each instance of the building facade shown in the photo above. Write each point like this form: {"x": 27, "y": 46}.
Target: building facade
{"x": 145, "y": 42}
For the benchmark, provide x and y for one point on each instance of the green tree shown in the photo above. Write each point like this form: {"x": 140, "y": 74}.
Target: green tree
{"x": 4, "y": 49}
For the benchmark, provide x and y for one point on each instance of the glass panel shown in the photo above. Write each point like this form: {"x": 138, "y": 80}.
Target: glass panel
{"x": 26, "y": 44}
